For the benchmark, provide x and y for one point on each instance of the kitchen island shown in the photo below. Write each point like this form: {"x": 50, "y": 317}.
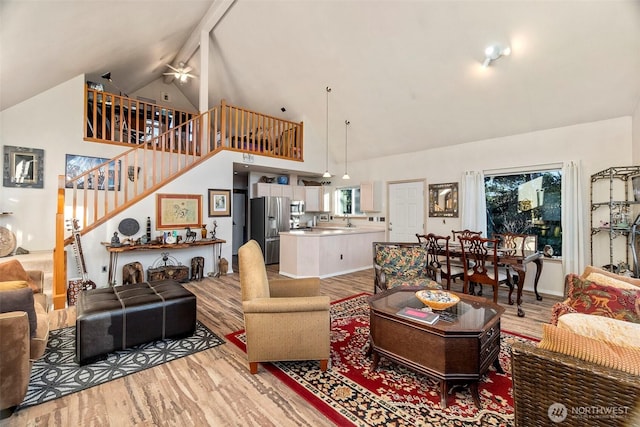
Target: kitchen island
{"x": 325, "y": 252}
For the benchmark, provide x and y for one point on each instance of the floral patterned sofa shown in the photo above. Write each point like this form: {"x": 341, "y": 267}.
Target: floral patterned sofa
{"x": 400, "y": 264}
{"x": 586, "y": 368}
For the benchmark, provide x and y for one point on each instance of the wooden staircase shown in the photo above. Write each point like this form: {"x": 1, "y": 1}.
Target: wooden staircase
{"x": 98, "y": 194}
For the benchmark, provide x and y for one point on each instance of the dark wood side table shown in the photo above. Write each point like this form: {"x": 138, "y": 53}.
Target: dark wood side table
{"x": 114, "y": 251}
{"x": 456, "y": 351}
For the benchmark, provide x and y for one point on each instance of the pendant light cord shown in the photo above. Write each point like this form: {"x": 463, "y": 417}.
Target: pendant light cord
{"x": 326, "y": 173}
{"x": 346, "y": 139}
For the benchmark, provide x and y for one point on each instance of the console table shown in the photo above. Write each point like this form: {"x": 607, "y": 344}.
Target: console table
{"x": 114, "y": 251}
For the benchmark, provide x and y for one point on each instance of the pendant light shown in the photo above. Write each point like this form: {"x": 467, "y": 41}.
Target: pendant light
{"x": 346, "y": 128}
{"x": 326, "y": 172}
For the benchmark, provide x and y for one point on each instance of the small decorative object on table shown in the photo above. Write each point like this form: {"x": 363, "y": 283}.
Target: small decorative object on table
{"x": 203, "y": 231}
{"x": 213, "y": 232}
{"x": 190, "y": 235}
{"x": 115, "y": 240}
{"x": 418, "y": 315}
{"x": 436, "y": 299}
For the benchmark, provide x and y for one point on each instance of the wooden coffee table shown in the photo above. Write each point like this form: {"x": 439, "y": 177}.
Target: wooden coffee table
{"x": 456, "y": 351}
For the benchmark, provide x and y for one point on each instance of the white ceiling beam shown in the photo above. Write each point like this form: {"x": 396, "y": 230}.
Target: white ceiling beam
{"x": 207, "y": 24}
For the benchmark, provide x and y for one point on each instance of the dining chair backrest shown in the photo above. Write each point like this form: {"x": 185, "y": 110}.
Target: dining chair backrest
{"x": 482, "y": 257}
{"x": 465, "y": 233}
{"x": 517, "y": 242}
{"x": 437, "y": 253}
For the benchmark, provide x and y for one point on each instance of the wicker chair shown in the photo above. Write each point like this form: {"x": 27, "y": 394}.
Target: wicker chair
{"x": 542, "y": 378}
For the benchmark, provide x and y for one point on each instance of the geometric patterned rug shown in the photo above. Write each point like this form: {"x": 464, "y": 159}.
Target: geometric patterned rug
{"x": 56, "y": 374}
{"x": 348, "y": 393}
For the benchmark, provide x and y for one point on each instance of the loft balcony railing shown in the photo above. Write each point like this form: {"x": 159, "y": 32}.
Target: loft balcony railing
{"x": 122, "y": 120}
{"x": 116, "y": 119}
{"x": 183, "y": 140}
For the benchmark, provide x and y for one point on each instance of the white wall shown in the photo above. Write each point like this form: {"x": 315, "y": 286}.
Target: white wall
{"x": 596, "y": 145}
{"x": 636, "y": 135}
{"x": 51, "y": 121}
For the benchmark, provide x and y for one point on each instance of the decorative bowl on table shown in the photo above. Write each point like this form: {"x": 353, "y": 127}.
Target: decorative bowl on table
{"x": 436, "y": 299}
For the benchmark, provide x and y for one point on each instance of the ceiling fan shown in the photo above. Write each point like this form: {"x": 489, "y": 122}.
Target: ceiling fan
{"x": 181, "y": 73}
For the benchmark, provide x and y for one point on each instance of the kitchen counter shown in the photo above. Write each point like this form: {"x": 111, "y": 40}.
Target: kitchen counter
{"x": 327, "y": 251}
{"x": 330, "y": 231}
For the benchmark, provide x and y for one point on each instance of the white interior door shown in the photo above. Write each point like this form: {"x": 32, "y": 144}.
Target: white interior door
{"x": 406, "y": 211}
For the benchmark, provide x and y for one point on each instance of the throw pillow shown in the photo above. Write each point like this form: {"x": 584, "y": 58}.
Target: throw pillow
{"x": 588, "y": 270}
{"x": 13, "y": 284}
{"x": 20, "y": 300}
{"x": 610, "y": 281}
{"x": 13, "y": 270}
{"x": 624, "y": 334}
{"x": 589, "y": 297}
{"x": 603, "y": 353}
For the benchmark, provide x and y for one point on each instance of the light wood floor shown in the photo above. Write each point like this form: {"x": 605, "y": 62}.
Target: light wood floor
{"x": 214, "y": 387}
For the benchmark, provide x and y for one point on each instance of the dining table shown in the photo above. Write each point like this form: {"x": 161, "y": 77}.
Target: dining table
{"x": 518, "y": 260}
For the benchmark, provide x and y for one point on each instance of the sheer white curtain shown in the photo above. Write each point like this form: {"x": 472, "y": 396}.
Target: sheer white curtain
{"x": 474, "y": 203}
{"x": 573, "y": 241}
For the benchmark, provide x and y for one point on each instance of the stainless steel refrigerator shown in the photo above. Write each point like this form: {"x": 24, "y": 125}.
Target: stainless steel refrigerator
{"x": 269, "y": 216}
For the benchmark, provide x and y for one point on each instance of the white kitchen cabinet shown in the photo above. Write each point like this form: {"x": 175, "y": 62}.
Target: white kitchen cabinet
{"x": 298, "y": 192}
{"x": 263, "y": 189}
{"x": 317, "y": 199}
{"x": 285, "y": 191}
{"x": 326, "y": 252}
{"x": 371, "y": 196}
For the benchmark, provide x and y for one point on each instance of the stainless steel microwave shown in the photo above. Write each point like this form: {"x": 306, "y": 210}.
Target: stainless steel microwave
{"x": 297, "y": 207}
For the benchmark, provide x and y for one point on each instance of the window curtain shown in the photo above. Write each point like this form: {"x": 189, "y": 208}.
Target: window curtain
{"x": 573, "y": 241}
{"x": 474, "y": 203}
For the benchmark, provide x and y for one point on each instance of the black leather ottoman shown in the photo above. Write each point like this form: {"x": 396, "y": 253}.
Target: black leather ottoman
{"x": 118, "y": 317}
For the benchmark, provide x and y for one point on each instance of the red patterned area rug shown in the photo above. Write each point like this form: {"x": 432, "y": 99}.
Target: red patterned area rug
{"x": 349, "y": 394}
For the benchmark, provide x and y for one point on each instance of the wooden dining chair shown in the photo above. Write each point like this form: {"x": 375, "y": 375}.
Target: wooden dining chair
{"x": 518, "y": 243}
{"x": 439, "y": 258}
{"x": 482, "y": 255}
{"x": 465, "y": 233}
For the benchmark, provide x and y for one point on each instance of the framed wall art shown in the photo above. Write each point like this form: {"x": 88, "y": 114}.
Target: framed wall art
{"x": 219, "y": 202}
{"x": 443, "y": 200}
{"x": 108, "y": 175}
{"x": 23, "y": 167}
{"x": 175, "y": 211}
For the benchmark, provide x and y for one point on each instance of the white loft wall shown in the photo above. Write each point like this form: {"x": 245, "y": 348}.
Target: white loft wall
{"x": 217, "y": 172}
{"x": 636, "y": 135}
{"x": 596, "y": 145}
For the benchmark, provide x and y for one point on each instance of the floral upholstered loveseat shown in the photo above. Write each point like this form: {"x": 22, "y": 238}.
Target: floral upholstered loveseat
{"x": 401, "y": 264}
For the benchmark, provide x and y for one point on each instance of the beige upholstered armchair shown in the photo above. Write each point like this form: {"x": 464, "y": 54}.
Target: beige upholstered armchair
{"x": 284, "y": 319}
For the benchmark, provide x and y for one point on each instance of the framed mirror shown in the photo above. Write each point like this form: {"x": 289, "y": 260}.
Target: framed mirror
{"x": 443, "y": 200}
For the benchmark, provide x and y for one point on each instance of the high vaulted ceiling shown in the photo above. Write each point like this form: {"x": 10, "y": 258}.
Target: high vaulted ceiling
{"x": 406, "y": 74}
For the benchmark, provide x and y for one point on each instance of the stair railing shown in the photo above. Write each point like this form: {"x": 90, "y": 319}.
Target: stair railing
{"x": 98, "y": 194}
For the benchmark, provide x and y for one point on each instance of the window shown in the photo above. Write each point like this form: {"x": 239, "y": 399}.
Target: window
{"x": 348, "y": 201}
{"x": 526, "y": 203}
